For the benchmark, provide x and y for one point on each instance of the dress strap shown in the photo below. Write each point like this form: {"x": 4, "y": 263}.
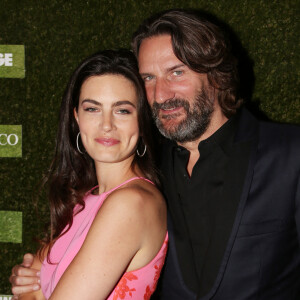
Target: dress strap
{"x": 130, "y": 179}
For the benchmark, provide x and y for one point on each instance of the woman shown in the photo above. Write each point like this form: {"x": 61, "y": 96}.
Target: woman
{"x": 108, "y": 241}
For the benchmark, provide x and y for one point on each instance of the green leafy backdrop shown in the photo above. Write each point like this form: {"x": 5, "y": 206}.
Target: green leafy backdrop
{"x": 58, "y": 34}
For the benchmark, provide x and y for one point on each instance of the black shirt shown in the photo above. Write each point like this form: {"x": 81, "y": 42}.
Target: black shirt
{"x": 206, "y": 205}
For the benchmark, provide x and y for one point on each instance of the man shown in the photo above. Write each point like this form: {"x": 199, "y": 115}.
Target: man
{"x": 232, "y": 183}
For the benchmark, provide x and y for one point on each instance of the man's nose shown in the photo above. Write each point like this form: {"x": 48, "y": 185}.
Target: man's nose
{"x": 163, "y": 91}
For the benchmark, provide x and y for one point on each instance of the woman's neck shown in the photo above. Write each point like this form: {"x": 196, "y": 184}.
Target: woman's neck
{"x": 110, "y": 175}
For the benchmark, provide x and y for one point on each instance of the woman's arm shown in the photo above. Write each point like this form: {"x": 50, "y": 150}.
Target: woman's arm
{"x": 114, "y": 238}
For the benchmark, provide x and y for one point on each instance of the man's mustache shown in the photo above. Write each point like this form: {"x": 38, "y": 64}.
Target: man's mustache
{"x": 173, "y": 103}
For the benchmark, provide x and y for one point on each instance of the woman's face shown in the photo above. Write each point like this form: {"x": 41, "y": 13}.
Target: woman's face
{"x": 107, "y": 118}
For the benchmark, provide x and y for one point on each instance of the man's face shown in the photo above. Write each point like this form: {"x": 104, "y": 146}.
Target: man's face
{"x": 182, "y": 100}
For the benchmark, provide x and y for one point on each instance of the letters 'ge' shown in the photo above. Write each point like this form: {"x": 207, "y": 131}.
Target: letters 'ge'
{"x": 6, "y": 59}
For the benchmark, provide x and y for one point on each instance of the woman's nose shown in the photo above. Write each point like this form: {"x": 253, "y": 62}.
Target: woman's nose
{"x": 107, "y": 122}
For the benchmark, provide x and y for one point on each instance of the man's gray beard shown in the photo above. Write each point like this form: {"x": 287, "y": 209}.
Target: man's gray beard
{"x": 196, "y": 121}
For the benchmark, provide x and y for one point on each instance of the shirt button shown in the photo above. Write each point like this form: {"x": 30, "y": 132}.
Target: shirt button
{"x": 178, "y": 149}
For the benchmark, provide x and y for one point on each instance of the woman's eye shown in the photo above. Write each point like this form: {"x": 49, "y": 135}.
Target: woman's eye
{"x": 123, "y": 111}
{"x": 90, "y": 109}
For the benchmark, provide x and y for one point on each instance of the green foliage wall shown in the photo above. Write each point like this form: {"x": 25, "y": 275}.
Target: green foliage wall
{"x": 58, "y": 34}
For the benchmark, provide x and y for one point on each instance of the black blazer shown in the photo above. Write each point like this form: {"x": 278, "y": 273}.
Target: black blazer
{"x": 262, "y": 258}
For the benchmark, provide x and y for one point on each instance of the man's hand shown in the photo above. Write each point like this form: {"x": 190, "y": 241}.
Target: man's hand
{"x": 23, "y": 278}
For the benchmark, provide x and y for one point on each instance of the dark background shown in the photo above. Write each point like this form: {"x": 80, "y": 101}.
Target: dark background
{"x": 58, "y": 34}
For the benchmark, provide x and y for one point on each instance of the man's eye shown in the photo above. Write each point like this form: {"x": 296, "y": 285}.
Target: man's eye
{"x": 147, "y": 78}
{"x": 177, "y": 73}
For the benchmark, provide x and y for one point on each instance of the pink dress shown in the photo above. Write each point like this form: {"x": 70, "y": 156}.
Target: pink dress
{"x": 138, "y": 284}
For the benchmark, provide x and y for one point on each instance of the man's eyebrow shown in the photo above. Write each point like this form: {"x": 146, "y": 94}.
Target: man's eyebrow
{"x": 118, "y": 103}
{"x": 170, "y": 69}
{"x": 145, "y": 74}
{"x": 176, "y": 67}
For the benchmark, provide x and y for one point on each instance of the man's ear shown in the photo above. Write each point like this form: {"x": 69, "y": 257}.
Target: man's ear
{"x": 75, "y": 114}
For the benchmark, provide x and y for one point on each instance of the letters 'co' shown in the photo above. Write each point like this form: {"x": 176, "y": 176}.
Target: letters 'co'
{"x": 10, "y": 139}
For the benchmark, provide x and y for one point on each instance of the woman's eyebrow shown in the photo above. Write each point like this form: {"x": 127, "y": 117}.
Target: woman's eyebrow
{"x": 122, "y": 102}
{"x": 118, "y": 103}
{"x": 91, "y": 101}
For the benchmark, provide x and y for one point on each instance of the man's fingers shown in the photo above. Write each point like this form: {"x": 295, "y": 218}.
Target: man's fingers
{"x": 23, "y": 280}
{"x": 27, "y": 260}
{"x": 24, "y": 271}
{"x": 17, "y": 290}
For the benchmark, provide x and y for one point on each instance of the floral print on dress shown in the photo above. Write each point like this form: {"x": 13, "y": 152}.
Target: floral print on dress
{"x": 122, "y": 288}
{"x": 158, "y": 269}
{"x": 148, "y": 293}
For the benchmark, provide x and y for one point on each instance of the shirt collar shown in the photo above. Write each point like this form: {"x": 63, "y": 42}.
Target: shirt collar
{"x": 222, "y": 137}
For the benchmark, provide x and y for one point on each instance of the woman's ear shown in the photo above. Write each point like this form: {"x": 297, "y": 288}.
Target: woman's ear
{"x": 75, "y": 115}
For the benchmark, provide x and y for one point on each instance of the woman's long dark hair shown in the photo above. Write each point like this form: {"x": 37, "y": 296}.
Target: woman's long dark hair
{"x": 72, "y": 173}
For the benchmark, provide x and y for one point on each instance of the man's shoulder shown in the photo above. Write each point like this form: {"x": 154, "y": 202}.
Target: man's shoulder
{"x": 278, "y": 133}
{"x": 280, "y": 141}
{"x": 268, "y": 131}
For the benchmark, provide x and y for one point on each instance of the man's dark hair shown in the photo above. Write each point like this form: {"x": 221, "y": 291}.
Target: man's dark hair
{"x": 202, "y": 46}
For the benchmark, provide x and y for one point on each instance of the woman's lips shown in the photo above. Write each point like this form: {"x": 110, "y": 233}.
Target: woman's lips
{"x": 107, "y": 141}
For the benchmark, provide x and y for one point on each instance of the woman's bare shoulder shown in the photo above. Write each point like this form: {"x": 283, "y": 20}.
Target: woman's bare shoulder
{"x": 139, "y": 196}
